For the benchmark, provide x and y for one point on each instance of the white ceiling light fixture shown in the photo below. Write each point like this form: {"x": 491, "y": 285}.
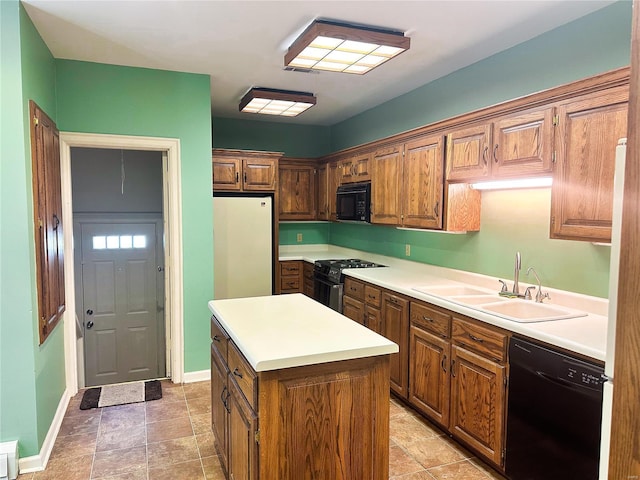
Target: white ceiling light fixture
{"x": 269, "y": 101}
{"x": 536, "y": 182}
{"x": 340, "y": 47}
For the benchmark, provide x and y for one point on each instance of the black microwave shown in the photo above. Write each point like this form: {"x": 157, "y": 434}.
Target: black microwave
{"x": 353, "y": 202}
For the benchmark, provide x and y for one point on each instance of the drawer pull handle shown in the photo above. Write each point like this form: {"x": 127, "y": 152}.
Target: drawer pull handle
{"x": 393, "y": 300}
{"x": 428, "y": 319}
{"x": 216, "y": 338}
{"x": 443, "y": 363}
{"x": 476, "y": 339}
{"x": 237, "y": 373}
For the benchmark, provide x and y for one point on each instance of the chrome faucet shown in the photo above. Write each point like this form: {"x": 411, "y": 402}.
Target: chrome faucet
{"x": 539, "y": 295}
{"x": 516, "y": 274}
{"x": 515, "y": 291}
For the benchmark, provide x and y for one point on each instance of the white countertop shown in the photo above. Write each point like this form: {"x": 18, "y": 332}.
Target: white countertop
{"x": 284, "y": 331}
{"x": 584, "y": 335}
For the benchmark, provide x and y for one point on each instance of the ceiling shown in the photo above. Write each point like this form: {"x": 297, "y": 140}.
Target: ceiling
{"x": 241, "y": 44}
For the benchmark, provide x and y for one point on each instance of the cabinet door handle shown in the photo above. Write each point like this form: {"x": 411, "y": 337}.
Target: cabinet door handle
{"x": 453, "y": 368}
{"x": 216, "y": 338}
{"x": 476, "y": 339}
{"x": 443, "y": 363}
{"x": 245, "y": 177}
{"x": 237, "y": 177}
{"x": 484, "y": 154}
{"x": 436, "y": 209}
{"x": 57, "y": 220}
{"x": 237, "y": 372}
{"x": 495, "y": 153}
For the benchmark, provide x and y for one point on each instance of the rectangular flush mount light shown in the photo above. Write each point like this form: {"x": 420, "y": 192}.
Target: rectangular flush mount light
{"x": 339, "y": 47}
{"x": 270, "y": 101}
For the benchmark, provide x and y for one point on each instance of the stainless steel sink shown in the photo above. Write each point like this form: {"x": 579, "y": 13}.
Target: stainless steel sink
{"x": 524, "y": 311}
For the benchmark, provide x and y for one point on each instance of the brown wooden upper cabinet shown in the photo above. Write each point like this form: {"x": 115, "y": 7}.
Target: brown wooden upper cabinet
{"x": 356, "y": 168}
{"x": 244, "y": 171}
{"x": 329, "y": 177}
{"x": 323, "y": 191}
{"x": 297, "y": 190}
{"x": 386, "y": 185}
{"x": 422, "y": 203}
{"x": 582, "y": 193}
{"x": 47, "y": 210}
{"x": 510, "y": 146}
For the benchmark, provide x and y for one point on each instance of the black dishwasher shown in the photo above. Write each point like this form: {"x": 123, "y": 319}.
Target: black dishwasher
{"x": 554, "y": 415}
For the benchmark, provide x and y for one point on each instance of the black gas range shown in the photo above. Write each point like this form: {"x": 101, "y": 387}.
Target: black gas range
{"x": 328, "y": 278}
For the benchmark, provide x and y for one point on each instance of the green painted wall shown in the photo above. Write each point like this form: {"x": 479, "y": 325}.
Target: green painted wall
{"x": 511, "y": 221}
{"x": 595, "y": 43}
{"x": 17, "y": 322}
{"x": 313, "y": 233}
{"x": 102, "y": 98}
{"x": 32, "y": 375}
{"x": 38, "y": 83}
{"x": 306, "y": 141}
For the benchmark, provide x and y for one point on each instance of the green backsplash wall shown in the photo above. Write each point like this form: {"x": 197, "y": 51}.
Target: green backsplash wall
{"x": 593, "y": 44}
{"x": 511, "y": 221}
{"x": 306, "y": 141}
{"x": 312, "y": 233}
{"x": 102, "y": 98}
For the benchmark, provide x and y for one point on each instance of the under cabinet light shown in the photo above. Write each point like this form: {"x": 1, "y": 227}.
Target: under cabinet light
{"x": 515, "y": 183}
{"x": 270, "y": 101}
{"x": 340, "y": 47}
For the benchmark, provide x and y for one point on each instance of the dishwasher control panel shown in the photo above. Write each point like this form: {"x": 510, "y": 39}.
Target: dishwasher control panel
{"x": 582, "y": 374}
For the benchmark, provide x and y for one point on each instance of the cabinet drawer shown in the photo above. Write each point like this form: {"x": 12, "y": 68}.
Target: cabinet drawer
{"x": 354, "y": 289}
{"x": 430, "y": 319}
{"x": 219, "y": 338}
{"x": 481, "y": 339}
{"x": 289, "y": 283}
{"x": 372, "y": 296}
{"x": 243, "y": 375}
{"x": 290, "y": 268}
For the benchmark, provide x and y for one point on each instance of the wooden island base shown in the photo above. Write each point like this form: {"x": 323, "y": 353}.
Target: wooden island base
{"x": 327, "y": 421}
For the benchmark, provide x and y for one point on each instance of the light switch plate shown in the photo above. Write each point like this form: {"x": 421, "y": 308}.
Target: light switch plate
{"x": 407, "y": 250}
{"x": 299, "y": 237}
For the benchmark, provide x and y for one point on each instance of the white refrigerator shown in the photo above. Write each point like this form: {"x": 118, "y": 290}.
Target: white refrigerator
{"x": 618, "y": 190}
{"x": 242, "y": 246}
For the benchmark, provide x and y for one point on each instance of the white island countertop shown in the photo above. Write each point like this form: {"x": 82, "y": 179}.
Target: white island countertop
{"x": 284, "y": 331}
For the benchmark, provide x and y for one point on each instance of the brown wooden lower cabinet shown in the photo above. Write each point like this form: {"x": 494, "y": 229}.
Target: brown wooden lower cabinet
{"x": 450, "y": 368}
{"x": 328, "y": 421}
{"x": 291, "y": 279}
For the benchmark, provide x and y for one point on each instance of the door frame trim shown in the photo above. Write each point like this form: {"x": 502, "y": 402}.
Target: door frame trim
{"x": 172, "y": 216}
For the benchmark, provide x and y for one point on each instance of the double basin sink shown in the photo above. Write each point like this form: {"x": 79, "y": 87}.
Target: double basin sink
{"x": 514, "y": 309}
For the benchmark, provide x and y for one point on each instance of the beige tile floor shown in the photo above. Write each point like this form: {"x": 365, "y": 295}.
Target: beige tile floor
{"x": 171, "y": 439}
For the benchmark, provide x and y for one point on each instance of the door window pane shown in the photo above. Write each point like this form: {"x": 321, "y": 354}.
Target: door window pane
{"x": 99, "y": 242}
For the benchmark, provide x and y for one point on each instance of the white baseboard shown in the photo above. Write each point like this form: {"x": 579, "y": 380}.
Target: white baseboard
{"x": 200, "y": 376}
{"x": 37, "y": 463}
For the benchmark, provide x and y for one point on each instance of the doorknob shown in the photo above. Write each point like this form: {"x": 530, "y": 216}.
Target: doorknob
{"x": 89, "y": 325}
{"x": 89, "y": 312}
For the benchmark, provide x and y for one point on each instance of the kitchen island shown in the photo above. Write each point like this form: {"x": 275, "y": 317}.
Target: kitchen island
{"x": 298, "y": 391}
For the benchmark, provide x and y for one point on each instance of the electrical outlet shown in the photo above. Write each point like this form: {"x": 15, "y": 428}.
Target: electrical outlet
{"x": 299, "y": 237}
{"x": 407, "y": 250}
